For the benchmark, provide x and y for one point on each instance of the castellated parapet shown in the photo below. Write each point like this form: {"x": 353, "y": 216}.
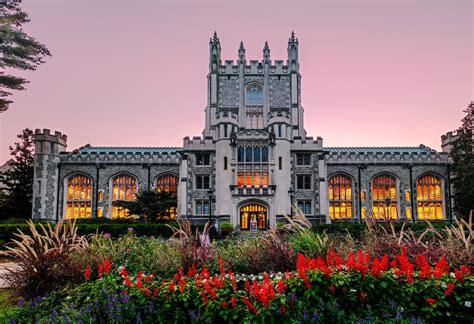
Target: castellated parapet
{"x": 448, "y": 140}
{"x": 48, "y": 147}
{"x": 199, "y": 144}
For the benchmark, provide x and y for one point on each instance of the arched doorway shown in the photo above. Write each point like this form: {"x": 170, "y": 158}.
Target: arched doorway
{"x": 253, "y": 217}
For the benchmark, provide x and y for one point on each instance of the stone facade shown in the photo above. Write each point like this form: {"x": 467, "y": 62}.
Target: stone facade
{"x": 253, "y": 160}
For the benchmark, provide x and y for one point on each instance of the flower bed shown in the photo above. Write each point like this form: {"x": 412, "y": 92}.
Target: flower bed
{"x": 321, "y": 289}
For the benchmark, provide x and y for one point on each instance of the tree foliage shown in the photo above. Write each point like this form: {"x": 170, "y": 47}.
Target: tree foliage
{"x": 463, "y": 167}
{"x": 18, "y": 178}
{"x": 150, "y": 204}
{"x": 18, "y": 51}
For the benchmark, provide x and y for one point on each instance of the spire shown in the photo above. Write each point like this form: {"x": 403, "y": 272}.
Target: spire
{"x": 293, "y": 39}
{"x": 214, "y": 52}
{"x": 266, "y": 52}
{"x": 293, "y": 52}
{"x": 241, "y": 52}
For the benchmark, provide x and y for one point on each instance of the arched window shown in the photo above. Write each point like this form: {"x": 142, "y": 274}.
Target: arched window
{"x": 253, "y": 217}
{"x": 254, "y": 106}
{"x": 168, "y": 183}
{"x": 429, "y": 197}
{"x": 385, "y": 197}
{"x": 79, "y": 197}
{"x": 254, "y": 95}
{"x": 124, "y": 187}
{"x": 340, "y": 197}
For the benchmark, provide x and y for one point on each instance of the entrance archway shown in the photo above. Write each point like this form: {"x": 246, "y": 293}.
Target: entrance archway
{"x": 253, "y": 217}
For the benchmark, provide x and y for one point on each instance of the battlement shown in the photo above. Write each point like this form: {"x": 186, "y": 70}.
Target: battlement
{"x": 279, "y": 116}
{"x": 386, "y": 154}
{"x": 308, "y": 144}
{"x": 110, "y": 155}
{"x": 226, "y": 117}
{"x": 46, "y": 135}
{"x": 199, "y": 143}
{"x": 449, "y": 137}
{"x": 255, "y": 67}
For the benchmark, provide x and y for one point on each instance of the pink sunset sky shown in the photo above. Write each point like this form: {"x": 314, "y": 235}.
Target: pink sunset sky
{"x": 133, "y": 73}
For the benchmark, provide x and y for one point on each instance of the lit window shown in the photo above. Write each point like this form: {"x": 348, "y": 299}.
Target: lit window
{"x": 305, "y": 206}
{"x": 101, "y": 195}
{"x": 79, "y": 197}
{"x": 252, "y": 178}
{"x": 407, "y": 196}
{"x": 364, "y": 212}
{"x": 303, "y": 159}
{"x": 253, "y": 216}
{"x": 303, "y": 182}
{"x": 340, "y": 197}
{"x": 385, "y": 198}
{"x": 124, "y": 188}
{"x": 408, "y": 212}
{"x": 168, "y": 183}
{"x": 362, "y": 195}
{"x": 100, "y": 212}
{"x": 429, "y": 198}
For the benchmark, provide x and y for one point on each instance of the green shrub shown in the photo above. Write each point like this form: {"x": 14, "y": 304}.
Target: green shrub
{"x": 310, "y": 243}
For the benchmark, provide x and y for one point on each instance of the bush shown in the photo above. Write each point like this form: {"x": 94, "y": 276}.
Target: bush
{"x": 321, "y": 290}
{"x": 310, "y": 243}
{"x": 43, "y": 259}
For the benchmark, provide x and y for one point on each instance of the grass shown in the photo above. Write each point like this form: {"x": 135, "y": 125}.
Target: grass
{"x": 7, "y": 306}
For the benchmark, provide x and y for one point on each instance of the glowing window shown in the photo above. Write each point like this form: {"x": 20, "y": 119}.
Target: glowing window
{"x": 384, "y": 196}
{"x": 124, "y": 188}
{"x": 407, "y": 196}
{"x": 362, "y": 195}
{"x": 429, "y": 198}
{"x": 253, "y": 216}
{"x": 168, "y": 183}
{"x": 408, "y": 212}
{"x": 79, "y": 197}
{"x": 252, "y": 178}
{"x": 340, "y": 197}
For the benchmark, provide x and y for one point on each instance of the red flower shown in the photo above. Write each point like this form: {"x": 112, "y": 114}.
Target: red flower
{"x": 233, "y": 302}
{"x": 101, "y": 270}
{"x": 147, "y": 292}
{"x": 87, "y": 274}
{"x": 281, "y": 286}
{"x": 213, "y": 293}
{"x": 204, "y": 297}
{"x": 224, "y": 304}
{"x": 155, "y": 292}
{"x": 250, "y": 305}
{"x": 282, "y": 309}
{"x": 221, "y": 266}
{"x": 449, "y": 290}
{"x": 363, "y": 294}
{"x": 182, "y": 284}
{"x": 192, "y": 271}
{"x": 332, "y": 289}
{"x": 106, "y": 265}
{"x": 441, "y": 268}
{"x": 431, "y": 301}
{"x": 171, "y": 286}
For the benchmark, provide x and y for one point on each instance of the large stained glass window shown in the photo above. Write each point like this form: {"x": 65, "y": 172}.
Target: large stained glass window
{"x": 168, "y": 183}
{"x": 340, "y": 197}
{"x": 79, "y": 197}
{"x": 252, "y": 164}
{"x": 384, "y": 197}
{"x": 429, "y": 198}
{"x": 253, "y": 217}
{"x": 124, "y": 187}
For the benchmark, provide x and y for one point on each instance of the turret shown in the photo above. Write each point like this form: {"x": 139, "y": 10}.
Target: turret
{"x": 214, "y": 53}
{"x": 266, "y": 53}
{"x": 48, "y": 147}
{"x": 293, "y": 53}
{"x": 241, "y": 53}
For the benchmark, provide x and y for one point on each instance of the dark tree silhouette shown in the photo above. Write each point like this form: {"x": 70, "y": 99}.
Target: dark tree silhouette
{"x": 18, "y": 51}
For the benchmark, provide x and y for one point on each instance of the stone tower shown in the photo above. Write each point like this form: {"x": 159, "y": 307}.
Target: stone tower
{"x": 47, "y": 173}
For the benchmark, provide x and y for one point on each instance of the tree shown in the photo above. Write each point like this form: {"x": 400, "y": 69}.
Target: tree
{"x": 150, "y": 204}
{"x": 18, "y": 179}
{"x": 18, "y": 51}
{"x": 463, "y": 166}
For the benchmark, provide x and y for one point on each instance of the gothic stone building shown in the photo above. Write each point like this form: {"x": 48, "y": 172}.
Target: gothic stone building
{"x": 253, "y": 161}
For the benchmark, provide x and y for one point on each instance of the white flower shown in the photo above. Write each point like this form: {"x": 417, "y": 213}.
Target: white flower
{"x": 353, "y": 290}
{"x": 443, "y": 285}
{"x": 448, "y": 314}
{"x": 452, "y": 274}
{"x": 467, "y": 304}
